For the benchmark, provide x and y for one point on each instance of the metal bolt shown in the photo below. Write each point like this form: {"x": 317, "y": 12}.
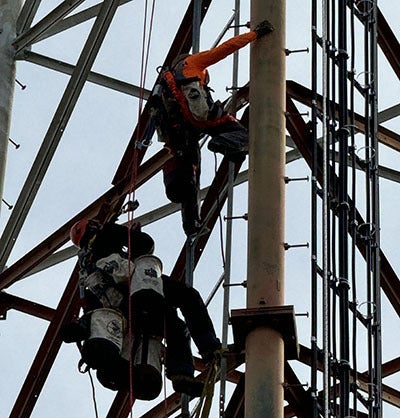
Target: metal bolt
{"x": 297, "y": 114}
{"x": 244, "y": 284}
{"x": 23, "y": 86}
{"x": 288, "y": 246}
{"x": 227, "y": 89}
{"x": 289, "y": 179}
{"x": 293, "y": 51}
{"x": 245, "y": 217}
{"x": 306, "y": 314}
{"x": 7, "y": 204}
{"x": 14, "y": 143}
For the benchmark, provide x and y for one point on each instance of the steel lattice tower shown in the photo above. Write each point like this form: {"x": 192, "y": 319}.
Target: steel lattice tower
{"x": 335, "y": 132}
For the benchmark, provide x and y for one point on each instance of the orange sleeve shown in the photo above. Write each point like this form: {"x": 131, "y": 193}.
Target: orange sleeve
{"x": 200, "y": 61}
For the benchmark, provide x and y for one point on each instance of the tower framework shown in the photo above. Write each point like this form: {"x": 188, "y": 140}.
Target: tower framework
{"x": 338, "y": 141}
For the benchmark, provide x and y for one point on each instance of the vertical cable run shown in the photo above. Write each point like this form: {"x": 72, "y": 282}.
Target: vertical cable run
{"x": 332, "y": 193}
{"x": 325, "y": 162}
{"x": 368, "y": 216}
{"x": 343, "y": 286}
{"x": 314, "y": 196}
{"x": 375, "y": 258}
{"x": 132, "y": 190}
{"x": 353, "y": 224}
{"x": 196, "y": 26}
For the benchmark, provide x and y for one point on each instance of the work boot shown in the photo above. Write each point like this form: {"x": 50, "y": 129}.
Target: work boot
{"x": 231, "y": 145}
{"x": 188, "y": 385}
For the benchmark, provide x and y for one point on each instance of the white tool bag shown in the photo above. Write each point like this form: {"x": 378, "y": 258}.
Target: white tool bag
{"x": 116, "y": 266}
{"x": 147, "y": 275}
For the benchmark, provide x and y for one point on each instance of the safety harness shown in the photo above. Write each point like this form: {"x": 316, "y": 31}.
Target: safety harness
{"x": 179, "y": 97}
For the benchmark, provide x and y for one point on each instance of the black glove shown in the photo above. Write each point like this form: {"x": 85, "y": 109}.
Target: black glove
{"x": 263, "y": 28}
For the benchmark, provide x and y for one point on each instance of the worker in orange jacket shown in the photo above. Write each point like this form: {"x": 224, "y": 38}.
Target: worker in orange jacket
{"x": 188, "y": 112}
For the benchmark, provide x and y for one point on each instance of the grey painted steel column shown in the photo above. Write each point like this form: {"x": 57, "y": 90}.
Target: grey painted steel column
{"x": 9, "y": 10}
{"x": 265, "y": 271}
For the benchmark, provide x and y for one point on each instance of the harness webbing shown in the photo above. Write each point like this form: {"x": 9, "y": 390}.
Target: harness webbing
{"x": 187, "y": 114}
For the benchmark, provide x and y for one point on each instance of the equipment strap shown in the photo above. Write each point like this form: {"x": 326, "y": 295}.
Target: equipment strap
{"x": 203, "y": 407}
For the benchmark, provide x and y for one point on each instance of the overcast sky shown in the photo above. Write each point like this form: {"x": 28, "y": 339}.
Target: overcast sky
{"x": 88, "y": 156}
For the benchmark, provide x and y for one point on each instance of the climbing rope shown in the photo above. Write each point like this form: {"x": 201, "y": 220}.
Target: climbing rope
{"x": 93, "y": 394}
{"x": 82, "y": 368}
{"x": 131, "y": 194}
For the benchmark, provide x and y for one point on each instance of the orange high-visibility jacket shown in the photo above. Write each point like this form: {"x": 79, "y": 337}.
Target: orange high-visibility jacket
{"x": 196, "y": 65}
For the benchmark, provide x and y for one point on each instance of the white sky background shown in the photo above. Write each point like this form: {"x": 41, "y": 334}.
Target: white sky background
{"x": 86, "y": 160}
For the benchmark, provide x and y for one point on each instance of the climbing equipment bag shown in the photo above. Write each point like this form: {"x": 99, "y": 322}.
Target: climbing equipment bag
{"x": 103, "y": 347}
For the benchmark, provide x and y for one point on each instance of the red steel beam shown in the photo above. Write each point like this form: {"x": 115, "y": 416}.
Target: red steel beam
{"x": 388, "y": 42}
{"x": 386, "y": 39}
{"x": 8, "y": 302}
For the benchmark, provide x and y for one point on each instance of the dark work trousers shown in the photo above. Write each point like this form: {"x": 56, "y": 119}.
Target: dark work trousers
{"x": 182, "y": 183}
{"x": 197, "y": 324}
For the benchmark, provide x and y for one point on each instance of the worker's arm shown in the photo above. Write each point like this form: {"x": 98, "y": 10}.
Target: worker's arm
{"x": 204, "y": 59}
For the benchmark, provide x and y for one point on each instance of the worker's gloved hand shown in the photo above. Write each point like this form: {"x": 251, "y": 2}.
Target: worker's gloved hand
{"x": 263, "y": 28}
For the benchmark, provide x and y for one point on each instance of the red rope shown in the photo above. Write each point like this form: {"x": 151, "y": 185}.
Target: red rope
{"x": 131, "y": 194}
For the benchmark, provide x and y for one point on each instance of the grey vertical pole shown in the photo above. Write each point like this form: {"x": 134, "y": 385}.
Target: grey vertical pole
{"x": 265, "y": 271}
{"x": 196, "y": 25}
{"x": 9, "y": 10}
{"x": 229, "y": 230}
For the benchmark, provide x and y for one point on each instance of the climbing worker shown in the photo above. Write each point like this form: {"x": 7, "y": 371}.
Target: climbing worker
{"x": 154, "y": 298}
{"x": 108, "y": 255}
{"x": 184, "y": 111}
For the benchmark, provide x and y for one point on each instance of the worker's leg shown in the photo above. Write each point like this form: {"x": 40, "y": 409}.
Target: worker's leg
{"x": 181, "y": 180}
{"x": 178, "y": 358}
{"x": 189, "y": 301}
{"x": 230, "y": 139}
